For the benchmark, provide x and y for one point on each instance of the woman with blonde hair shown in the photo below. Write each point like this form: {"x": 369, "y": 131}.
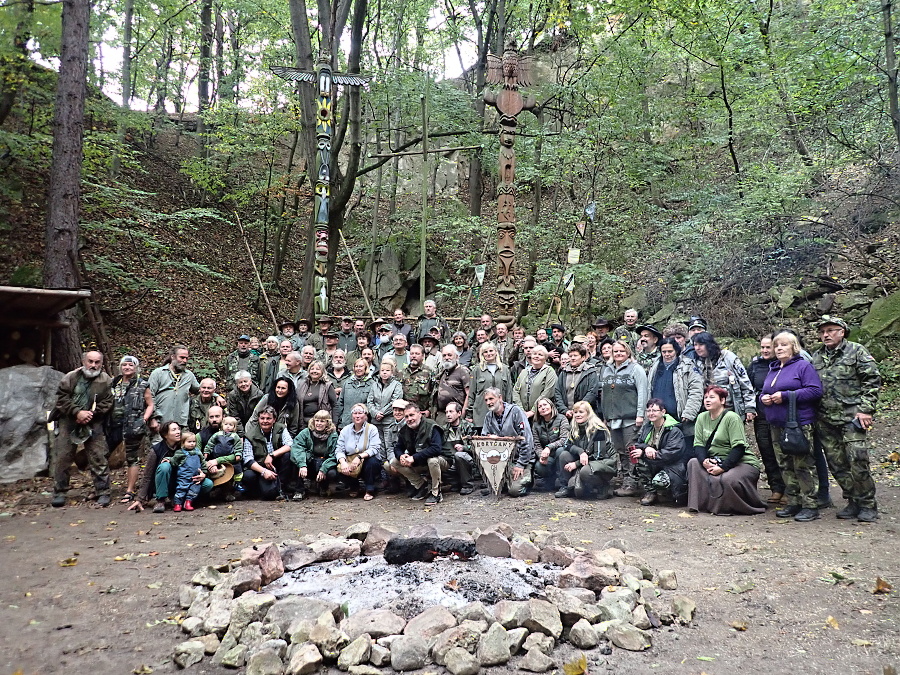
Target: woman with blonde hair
{"x": 313, "y": 453}
{"x": 587, "y": 462}
{"x": 487, "y": 372}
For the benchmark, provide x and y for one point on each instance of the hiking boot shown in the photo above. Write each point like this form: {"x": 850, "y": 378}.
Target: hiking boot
{"x": 849, "y": 512}
{"x": 648, "y": 499}
{"x": 788, "y": 511}
{"x": 103, "y": 500}
{"x": 298, "y": 497}
{"x": 806, "y": 515}
{"x": 188, "y": 506}
{"x": 421, "y": 492}
{"x": 824, "y": 502}
{"x": 867, "y": 515}
{"x": 467, "y": 490}
{"x": 434, "y": 499}
{"x": 627, "y": 491}
{"x": 175, "y": 508}
{"x": 486, "y": 492}
{"x": 160, "y": 506}
{"x": 564, "y": 491}
{"x": 59, "y": 499}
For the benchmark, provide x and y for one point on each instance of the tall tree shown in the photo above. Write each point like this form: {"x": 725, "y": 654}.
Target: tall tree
{"x": 64, "y": 193}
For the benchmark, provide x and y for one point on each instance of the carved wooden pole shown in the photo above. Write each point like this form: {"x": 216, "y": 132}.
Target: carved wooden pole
{"x": 512, "y": 71}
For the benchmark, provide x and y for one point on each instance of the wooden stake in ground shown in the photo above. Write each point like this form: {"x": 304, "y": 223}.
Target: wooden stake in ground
{"x": 356, "y": 274}
{"x": 256, "y": 271}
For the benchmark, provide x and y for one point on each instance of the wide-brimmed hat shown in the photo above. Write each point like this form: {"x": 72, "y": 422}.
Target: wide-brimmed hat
{"x": 285, "y": 322}
{"x": 430, "y": 338}
{"x": 325, "y": 319}
{"x": 652, "y": 329}
{"x": 697, "y": 322}
{"x": 306, "y": 322}
{"x": 600, "y": 322}
{"x": 833, "y": 321}
{"x": 222, "y": 474}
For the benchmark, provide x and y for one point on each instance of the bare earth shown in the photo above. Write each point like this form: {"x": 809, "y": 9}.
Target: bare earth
{"x": 809, "y": 608}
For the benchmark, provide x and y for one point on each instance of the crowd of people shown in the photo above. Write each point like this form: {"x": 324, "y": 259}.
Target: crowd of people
{"x": 630, "y": 411}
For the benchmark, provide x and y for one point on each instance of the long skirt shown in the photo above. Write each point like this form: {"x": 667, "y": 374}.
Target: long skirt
{"x": 731, "y": 493}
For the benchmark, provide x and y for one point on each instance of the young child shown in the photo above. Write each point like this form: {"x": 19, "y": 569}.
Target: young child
{"x": 188, "y": 461}
{"x": 225, "y": 447}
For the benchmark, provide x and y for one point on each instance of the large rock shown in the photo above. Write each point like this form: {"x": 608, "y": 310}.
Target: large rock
{"x": 683, "y": 608}
{"x": 295, "y": 557}
{"x": 625, "y": 595}
{"x": 193, "y": 625}
{"x": 583, "y": 635}
{"x": 521, "y": 548}
{"x": 430, "y": 623}
{"x": 335, "y": 549}
{"x": 516, "y": 637}
{"x": 305, "y": 659}
{"x": 882, "y": 322}
{"x": 458, "y": 636}
{"x": 254, "y": 634}
{"x": 376, "y": 622}
{"x": 207, "y": 576}
{"x": 267, "y": 558}
{"x": 298, "y": 608}
{"x": 536, "y": 661}
{"x": 245, "y": 579}
{"x": 409, "y": 652}
{"x": 544, "y": 538}
{"x": 561, "y": 556}
{"x": 380, "y": 656}
{"x": 218, "y": 618}
{"x": 571, "y": 609}
{"x": 355, "y": 653}
{"x": 628, "y": 637}
{"x": 276, "y": 645}
{"x": 265, "y": 662}
{"x": 511, "y": 613}
{"x": 377, "y": 538}
{"x": 585, "y": 573}
{"x": 358, "y": 531}
{"x": 543, "y": 617}
{"x": 539, "y": 641}
{"x": 329, "y": 640}
{"x": 474, "y": 611}
{"x": 612, "y": 608}
{"x": 210, "y": 642}
{"x": 460, "y": 662}
{"x": 667, "y": 580}
{"x": 492, "y": 543}
{"x": 251, "y": 606}
{"x": 234, "y": 657}
{"x": 493, "y": 648}
{"x": 27, "y": 394}
{"x": 188, "y": 653}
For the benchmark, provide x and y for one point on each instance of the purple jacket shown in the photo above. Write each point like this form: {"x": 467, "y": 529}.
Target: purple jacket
{"x": 796, "y": 375}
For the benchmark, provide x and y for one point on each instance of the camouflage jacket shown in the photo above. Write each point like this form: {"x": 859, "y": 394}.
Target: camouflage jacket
{"x": 626, "y": 335}
{"x": 199, "y": 410}
{"x": 418, "y": 386}
{"x": 423, "y": 325}
{"x": 647, "y": 359}
{"x": 850, "y": 382}
{"x": 233, "y": 364}
{"x": 459, "y": 434}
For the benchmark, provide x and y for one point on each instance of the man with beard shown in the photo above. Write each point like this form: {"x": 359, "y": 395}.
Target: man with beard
{"x": 83, "y": 400}
{"x": 214, "y": 417}
{"x": 418, "y": 380}
{"x": 171, "y": 386}
{"x": 200, "y": 404}
{"x": 452, "y": 384}
{"x": 509, "y": 420}
{"x": 241, "y": 359}
{"x": 420, "y": 450}
{"x": 243, "y": 399}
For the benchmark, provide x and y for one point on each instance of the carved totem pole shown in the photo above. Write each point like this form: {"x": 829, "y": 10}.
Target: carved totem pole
{"x": 512, "y": 71}
{"x": 324, "y": 80}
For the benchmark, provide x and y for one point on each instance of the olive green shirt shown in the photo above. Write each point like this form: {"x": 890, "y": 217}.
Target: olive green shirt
{"x": 729, "y": 433}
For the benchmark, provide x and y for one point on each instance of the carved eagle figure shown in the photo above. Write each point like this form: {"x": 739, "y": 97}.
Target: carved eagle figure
{"x": 298, "y": 75}
{"x": 511, "y": 70}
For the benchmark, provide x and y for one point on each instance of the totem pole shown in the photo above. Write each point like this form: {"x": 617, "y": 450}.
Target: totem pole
{"x": 325, "y": 80}
{"x": 512, "y": 71}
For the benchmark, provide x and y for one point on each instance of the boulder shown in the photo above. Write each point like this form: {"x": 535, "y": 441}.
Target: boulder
{"x": 294, "y": 608}
{"x": 218, "y": 618}
{"x": 234, "y": 657}
{"x": 188, "y": 653}
{"x": 628, "y": 637}
{"x": 640, "y": 619}
{"x": 634, "y": 560}
{"x": 544, "y": 538}
{"x": 304, "y": 659}
{"x": 329, "y": 640}
{"x": 585, "y": 595}
{"x": 620, "y": 544}
{"x": 364, "y": 669}
{"x": 187, "y": 593}
{"x": 493, "y": 544}
{"x": 267, "y": 558}
{"x": 460, "y": 662}
{"x": 27, "y": 394}
{"x": 562, "y": 556}
{"x": 474, "y": 611}
{"x": 276, "y": 645}
{"x": 210, "y": 642}
{"x": 683, "y": 608}
{"x": 511, "y": 613}
{"x": 667, "y": 580}
{"x": 536, "y": 661}
{"x": 585, "y": 573}
{"x": 207, "y": 576}
{"x": 295, "y": 557}
{"x": 409, "y": 652}
{"x": 335, "y": 549}
{"x": 458, "y": 636}
{"x": 521, "y": 548}
{"x": 493, "y": 647}
{"x": 355, "y": 653}
{"x": 193, "y": 625}
{"x": 543, "y": 617}
{"x": 430, "y": 623}
{"x": 477, "y": 626}
{"x": 376, "y": 622}
{"x": 377, "y": 538}
{"x": 517, "y": 637}
{"x": 265, "y": 662}
{"x": 250, "y": 607}
{"x": 583, "y": 636}
{"x": 881, "y": 323}
{"x": 539, "y": 641}
{"x": 612, "y": 609}
{"x": 380, "y": 656}
{"x": 625, "y": 595}
{"x": 200, "y": 605}
{"x": 571, "y": 609}
{"x": 358, "y": 531}
{"x": 228, "y": 643}
{"x": 245, "y": 579}
{"x": 255, "y": 634}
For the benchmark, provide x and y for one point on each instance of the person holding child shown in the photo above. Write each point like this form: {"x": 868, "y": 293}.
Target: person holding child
{"x": 224, "y": 447}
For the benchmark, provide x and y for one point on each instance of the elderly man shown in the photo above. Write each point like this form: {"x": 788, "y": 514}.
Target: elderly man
{"x": 418, "y": 380}
{"x": 508, "y": 419}
{"x": 307, "y": 355}
{"x": 200, "y": 404}
{"x": 432, "y": 346}
{"x": 429, "y": 320}
{"x": 537, "y": 381}
{"x": 647, "y": 352}
{"x": 347, "y": 336}
{"x": 294, "y": 370}
{"x": 850, "y": 382}
{"x": 289, "y": 332}
{"x": 384, "y": 341}
{"x": 524, "y": 360}
{"x": 400, "y": 326}
{"x": 504, "y": 341}
{"x": 399, "y": 353}
{"x": 171, "y": 387}
{"x": 452, "y": 384}
{"x": 83, "y": 400}
{"x": 240, "y": 359}
{"x": 485, "y": 323}
{"x": 419, "y": 450}
{"x": 627, "y": 332}
{"x": 243, "y": 399}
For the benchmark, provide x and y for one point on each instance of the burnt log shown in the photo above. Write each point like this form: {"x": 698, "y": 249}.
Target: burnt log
{"x": 400, "y": 550}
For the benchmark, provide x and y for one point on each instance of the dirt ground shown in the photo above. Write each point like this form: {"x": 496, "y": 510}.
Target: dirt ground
{"x": 89, "y": 590}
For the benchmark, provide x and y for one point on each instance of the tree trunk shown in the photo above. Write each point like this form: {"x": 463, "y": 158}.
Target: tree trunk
{"x": 890, "y": 55}
{"x": 64, "y": 193}
{"x": 206, "y": 36}
{"x": 126, "y": 87}
{"x": 9, "y": 84}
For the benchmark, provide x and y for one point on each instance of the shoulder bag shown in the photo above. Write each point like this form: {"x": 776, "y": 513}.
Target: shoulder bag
{"x": 792, "y": 439}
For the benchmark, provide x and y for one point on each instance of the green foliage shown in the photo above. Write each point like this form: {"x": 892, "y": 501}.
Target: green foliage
{"x": 28, "y": 275}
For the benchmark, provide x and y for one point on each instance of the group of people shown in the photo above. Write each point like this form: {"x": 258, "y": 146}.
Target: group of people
{"x": 627, "y": 411}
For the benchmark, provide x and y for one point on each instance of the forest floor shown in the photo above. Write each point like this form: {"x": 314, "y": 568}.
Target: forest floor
{"x": 90, "y": 590}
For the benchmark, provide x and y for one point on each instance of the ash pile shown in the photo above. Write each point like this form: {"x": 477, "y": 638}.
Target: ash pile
{"x": 375, "y": 601}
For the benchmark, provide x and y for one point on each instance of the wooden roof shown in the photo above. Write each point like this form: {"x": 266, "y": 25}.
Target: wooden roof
{"x": 20, "y": 305}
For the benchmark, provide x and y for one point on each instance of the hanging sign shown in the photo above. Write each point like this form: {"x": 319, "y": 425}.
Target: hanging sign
{"x": 479, "y": 273}
{"x": 591, "y": 210}
{"x": 569, "y": 282}
{"x": 579, "y": 226}
{"x": 574, "y": 256}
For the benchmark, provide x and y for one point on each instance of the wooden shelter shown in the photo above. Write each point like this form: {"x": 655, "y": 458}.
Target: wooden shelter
{"x": 27, "y": 316}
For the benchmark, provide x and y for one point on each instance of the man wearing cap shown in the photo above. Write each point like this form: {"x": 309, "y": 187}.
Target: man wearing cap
{"x": 647, "y": 352}
{"x": 431, "y": 346}
{"x": 317, "y": 340}
{"x": 331, "y": 346}
{"x": 697, "y": 324}
{"x": 304, "y": 328}
{"x": 400, "y": 326}
{"x": 850, "y": 383}
{"x": 627, "y": 332}
{"x": 347, "y": 336}
{"x": 384, "y": 340}
{"x": 430, "y": 319}
{"x": 558, "y": 345}
{"x": 289, "y": 332}
{"x": 399, "y": 353}
{"x": 241, "y": 359}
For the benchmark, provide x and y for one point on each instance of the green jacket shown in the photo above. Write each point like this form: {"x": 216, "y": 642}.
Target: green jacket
{"x": 480, "y": 379}
{"x": 850, "y": 382}
{"x": 258, "y": 441}
{"x": 542, "y": 386}
{"x": 234, "y": 363}
{"x": 354, "y": 391}
{"x": 459, "y": 434}
{"x": 302, "y": 450}
{"x": 181, "y": 454}
{"x": 99, "y": 396}
{"x": 418, "y": 386}
{"x": 198, "y": 412}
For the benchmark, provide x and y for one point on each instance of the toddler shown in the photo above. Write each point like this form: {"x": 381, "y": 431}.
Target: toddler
{"x": 225, "y": 447}
{"x": 188, "y": 462}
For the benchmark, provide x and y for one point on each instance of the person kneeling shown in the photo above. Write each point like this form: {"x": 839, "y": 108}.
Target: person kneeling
{"x": 358, "y": 453}
{"x": 659, "y": 455}
{"x": 420, "y": 450}
{"x": 313, "y": 453}
{"x": 267, "y": 461}
{"x": 588, "y": 460}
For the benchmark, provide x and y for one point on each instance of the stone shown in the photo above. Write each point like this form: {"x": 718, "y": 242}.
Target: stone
{"x": 267, "y": 558}
{"x": 255, "y": 634}
{"x": 277, "y": 645}
{"x": 517, "y": 637}
{"x": 297, "y": 608}
{"x": 493, "y": 647}
{"x": 536, "y": 661}
{"x": 234, "y": 657}
{"x": 380, "y": 656}
{"x": 228, "y": 643}
{"x": 634, "y": 560}
{"x": 584, "y": 573}
{"x": 200, "y": 605}
{"x": 640, "y": 619}
{"x": 666, "y": 580}
{"x": 521, "y": 548}
{"x": 265, "y": 662}
{"x": 585, "y": 595}
{"x": 460, "y": 662}
{"x": 626, "y": 636}
{"x": 474, "y": 611}
{"x": 421, "y": 530}
{"x": 207, "y": 576}
{"x": 539, "y": 641}
{"x": 250, "y": 607}
{"x": 187, "y": 593}
{"x": 543, "y": 617}
{"x": 561, "y": 556}
{"x": 637, "y": 300}
{"x": 625, "y": 595}
{"x": 683, "y": 608}
{"x": 477, "y": 626}
{"x": 571, "y": 609}
{"x": 245, "y": 579}
{"x": 305, "y": 659}
{"x": 611, "y": 608}
{"x": 219, "y": 617}
{"x": 632, "y": 582}
{"x": 544, "y": 538}
{"x": 335, "y": 549}
{"x": 503, "y": 528}
{"x": 386, "y": 641}
{"x": 458, "y": 636}
{"x": 583, "y": 636}
{"x": 364, "y": 669}
{"x": 409, "y": 652}
{"x": 630, "y": 570}
{"x": 355, "y": 653}
{"x": 188, "y": 653}
{"x": 26, "y": 393}
{"x": 649, "y": 593}
{"x": 620, "y": 544}
{"x": 329, "y": 640}
{"x": 376, "y": 622}
{"x": 511, "y": 613}
{"x": 430, "y": 623}
{"x": 493, "y": 544}
{"x": 377, "y": 538}
{"x": 609, "y": 557}
{"x": 193, "y": 625}
{"x": 358, "y": 531}
{"x": 210, "y": 642}
{"x": 826, "y": 302}
{"x": 295, "y": 557}
{"x": 593, "y": 613}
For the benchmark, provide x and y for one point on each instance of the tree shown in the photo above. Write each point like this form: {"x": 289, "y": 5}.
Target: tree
{"x": 64, "y": 193}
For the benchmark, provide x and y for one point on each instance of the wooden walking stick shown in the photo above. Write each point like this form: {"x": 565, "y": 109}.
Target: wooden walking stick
{"x": 256, "y": 271}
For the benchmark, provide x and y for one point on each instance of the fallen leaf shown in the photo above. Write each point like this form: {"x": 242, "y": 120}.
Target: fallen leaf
{"x": 881, "y": 586}
{"x": 142, "y": 670}
{"x": 865, "y": 611}
{"x": 861, "y": 643}
{"x": 648, "y": 520}
{"x": 729, "y": 535}
{"x": 153, "y": 553}
{"x": 576, "y": 667}
{"x": 741, "y": 586}
{"x": 685, "y": 514}
{"x": 257, "y": 540}
{"x": 894, "y": 456}
{"x": 68, "y": 562}
{"x": 155, "y": 584}
{"x": 739, "y": 625}
{"x": 831, "y": 621}
{"x": 706, "y": 658}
